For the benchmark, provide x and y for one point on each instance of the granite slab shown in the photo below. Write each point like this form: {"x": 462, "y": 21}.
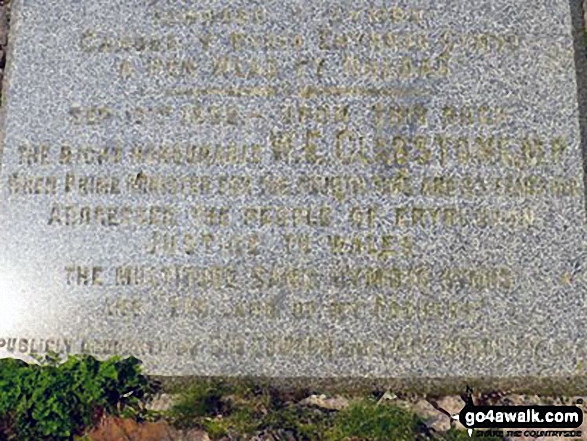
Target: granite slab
{"x": 364, "y": 189}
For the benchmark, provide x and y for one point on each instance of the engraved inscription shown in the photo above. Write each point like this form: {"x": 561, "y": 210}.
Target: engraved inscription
{"x": 320, "y": 188}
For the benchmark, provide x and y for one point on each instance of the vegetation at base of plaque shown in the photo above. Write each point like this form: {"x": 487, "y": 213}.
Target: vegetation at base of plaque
{"x": 56, "y": 399}
{"x": 243, "y": 410}
{"x": 59, "y": 400}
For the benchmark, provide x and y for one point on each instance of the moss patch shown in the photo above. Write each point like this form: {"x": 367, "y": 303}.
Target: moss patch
{"x": 368, "y": 420}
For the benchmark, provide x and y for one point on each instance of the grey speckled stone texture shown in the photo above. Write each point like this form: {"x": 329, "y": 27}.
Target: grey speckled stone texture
{"x": 297, "y": 188}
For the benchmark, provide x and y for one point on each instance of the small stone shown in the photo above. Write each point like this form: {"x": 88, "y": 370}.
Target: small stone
{"x": 196, "y": 435}
{"x": 387, "y": 396}
{"x": 425, "y": 409}
{"x": 439, "y": 423}
{"x": 434, "y": 419}
{"x": 324, "y": 402}
{"x": 161, "y": 403}
{"x": 452, "y": 404}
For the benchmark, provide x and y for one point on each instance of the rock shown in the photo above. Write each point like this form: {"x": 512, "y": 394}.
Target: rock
{"x": 425, "y": 409}
{"x": 118, "y": 429}
{"x": 196, "y": 435}
{"x": 387, "y": 396}
{"x": 322, "y": 401}
{"x": 452, "y": 405}
{"x": 439, "y": 423}
{"x": 434, "y": 419}
{"x": 161, "y": 403}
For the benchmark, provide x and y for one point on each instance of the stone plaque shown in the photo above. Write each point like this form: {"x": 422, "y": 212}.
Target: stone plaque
{"x": 381, "y": 189}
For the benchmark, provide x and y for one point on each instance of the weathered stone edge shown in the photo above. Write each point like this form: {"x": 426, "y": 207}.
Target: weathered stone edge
{"x": 579, "y": 19}
{"x": 548, "y": 386}
{"x": 8, "y": 7}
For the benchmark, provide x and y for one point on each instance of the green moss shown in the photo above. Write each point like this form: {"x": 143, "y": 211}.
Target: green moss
{"x": 245, "y": 408}
{"x": 303, "y": 422}
{"x": 202, "y": 399}
{"x": 220, "y": 408}
{"x": 216, "y": 428}
{"x": 368, "y": 420}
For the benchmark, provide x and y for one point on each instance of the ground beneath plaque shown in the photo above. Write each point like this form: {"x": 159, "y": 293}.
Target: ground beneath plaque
{"x": 203, "y": 413}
